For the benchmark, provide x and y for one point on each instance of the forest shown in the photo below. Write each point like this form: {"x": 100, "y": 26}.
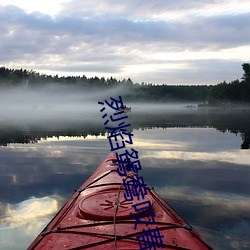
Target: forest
{"x": 224, "y": 93}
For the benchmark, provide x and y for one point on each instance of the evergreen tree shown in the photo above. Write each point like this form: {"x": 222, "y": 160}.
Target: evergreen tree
{"x": 246, "y": 69}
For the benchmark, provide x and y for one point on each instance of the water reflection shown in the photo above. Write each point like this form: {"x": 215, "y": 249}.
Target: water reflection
{"x": 193, "y": 161}
{"x": 20, "y": 222}
{"x": 29, "y": 210}
{"x": 233, "y": 121}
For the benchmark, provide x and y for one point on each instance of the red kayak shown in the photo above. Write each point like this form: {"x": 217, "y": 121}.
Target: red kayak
{"x": 99, "y": 217}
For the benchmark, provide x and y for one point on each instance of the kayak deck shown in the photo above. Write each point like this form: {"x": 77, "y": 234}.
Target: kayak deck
{"x": 98, "y": 216}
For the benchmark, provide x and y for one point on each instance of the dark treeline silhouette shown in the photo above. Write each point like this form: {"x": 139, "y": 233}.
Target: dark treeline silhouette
{"x": 237, "y": 91}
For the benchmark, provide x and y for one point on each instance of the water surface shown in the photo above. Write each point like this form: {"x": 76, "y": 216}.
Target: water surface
{"x": 193, "y": 158}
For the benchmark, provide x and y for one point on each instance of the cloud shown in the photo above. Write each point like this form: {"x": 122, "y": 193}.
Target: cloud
{"x": 26, "y": 220}
{"x": 116, "y": 30}
{"x": 233, "y": 204}
{"x": 150, "y": 9}
{"x": 125, "y": 40}
{"x": 29, "y": 210}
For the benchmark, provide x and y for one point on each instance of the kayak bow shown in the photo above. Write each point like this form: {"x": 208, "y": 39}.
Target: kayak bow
{"x": 99, "y": 217}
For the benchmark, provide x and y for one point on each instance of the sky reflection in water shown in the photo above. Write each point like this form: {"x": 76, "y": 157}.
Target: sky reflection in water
{"x": 199, "y": 171}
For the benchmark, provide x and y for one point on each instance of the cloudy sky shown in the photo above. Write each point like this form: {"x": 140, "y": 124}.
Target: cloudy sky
{"x": 157, "y": 41}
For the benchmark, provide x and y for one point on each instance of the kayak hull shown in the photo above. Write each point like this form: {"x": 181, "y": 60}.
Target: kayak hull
{"x": 98, "y": 216}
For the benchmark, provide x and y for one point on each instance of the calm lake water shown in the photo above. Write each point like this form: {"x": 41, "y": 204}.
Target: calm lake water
{"x": 197, "y": 160}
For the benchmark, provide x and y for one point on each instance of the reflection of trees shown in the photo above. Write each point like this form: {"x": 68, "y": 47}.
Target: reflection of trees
{"x": 246, "y": 141}
{"x": 20, "y": 135}
{"x": 233, "y": 121}
{"x": 229, "y": 120}
{"x": 16, "y": 137}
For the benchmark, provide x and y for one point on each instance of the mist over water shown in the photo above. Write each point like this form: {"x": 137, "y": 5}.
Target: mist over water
{"x": 60, "y": 107}
{"x": 60, "y": 102}
{"x": 55, "y": 102}
{"x": 191, "y": 156}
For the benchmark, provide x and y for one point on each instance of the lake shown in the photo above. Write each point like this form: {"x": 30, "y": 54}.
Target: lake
{"x": 198, "y": 160}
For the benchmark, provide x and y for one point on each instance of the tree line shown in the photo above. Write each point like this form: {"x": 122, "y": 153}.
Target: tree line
{"x": 236, "y": 91}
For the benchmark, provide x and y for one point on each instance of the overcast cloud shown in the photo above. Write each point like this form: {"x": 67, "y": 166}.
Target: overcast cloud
{"x": 171, "y": 42}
